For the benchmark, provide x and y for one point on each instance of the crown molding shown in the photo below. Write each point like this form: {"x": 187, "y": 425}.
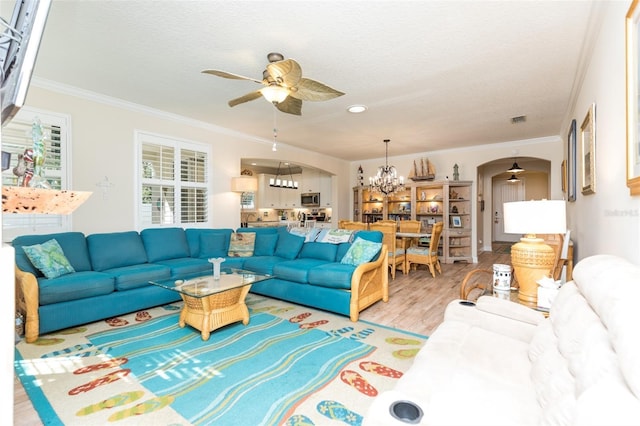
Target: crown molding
{"x": 130, "y": 106}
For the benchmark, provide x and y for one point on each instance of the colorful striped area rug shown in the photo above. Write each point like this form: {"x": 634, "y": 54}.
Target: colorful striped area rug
{"x": 291, "y": 365}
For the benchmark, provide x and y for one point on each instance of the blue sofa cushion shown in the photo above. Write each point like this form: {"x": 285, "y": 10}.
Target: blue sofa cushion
{"x": 165, "y": 243}
{"x": 73, "y": 244}
{"x": 332, "y": 275}
{"x": 115, "y": 250}
{"x": 213, "y": 245}
{"x": 134, "y": 276}
{"x": 193, "y": 239}
{"x": 79, "y": 285}
{"x": 296, "y": 270}
{"x": 265, "y": 244}
{"x": 186, "y": 266}
{"x": 288, "y": 245}
{"x": 322, "y": 251}
{"x": 262, "y": 264}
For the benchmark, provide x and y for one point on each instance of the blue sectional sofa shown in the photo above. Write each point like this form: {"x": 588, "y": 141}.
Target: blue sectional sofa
{"x": 111, "y": 272}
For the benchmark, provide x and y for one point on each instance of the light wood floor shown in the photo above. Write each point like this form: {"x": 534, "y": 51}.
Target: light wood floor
{"x": 416, "y": 303}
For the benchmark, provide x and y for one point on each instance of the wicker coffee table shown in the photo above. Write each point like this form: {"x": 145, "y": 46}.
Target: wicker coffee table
{"x": 213, "y": 303}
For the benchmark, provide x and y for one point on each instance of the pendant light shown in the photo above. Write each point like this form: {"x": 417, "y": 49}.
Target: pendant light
{"x": 515, "y": 168}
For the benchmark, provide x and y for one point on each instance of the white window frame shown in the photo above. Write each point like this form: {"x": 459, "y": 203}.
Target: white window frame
{"x": 144, "y": 137}
{"x": 14, "y": 225}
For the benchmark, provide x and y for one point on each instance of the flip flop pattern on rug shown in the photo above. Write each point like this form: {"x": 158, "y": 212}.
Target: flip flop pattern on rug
{"x": 314, "y": 324}
{"x": 108, "y": 364}
{"x": 143, "y": 316}
{"x": 299, "y": 318}
{"x": 106, "y": 379}
{"x": 359, "y": 383}
{"x": 299, "y": 420}
{"x": 336, "y": 411}
{"x": 379, "y": 369}
{"x": 74, "y": 330}
{"x": 401, "y": 341}
{"x": 48, "y": 341}
{"x": 405, "y": 353}
{"x": 146, "y": 407}
{"x": 116, "y": 322}
{"x": 114, "y": 401}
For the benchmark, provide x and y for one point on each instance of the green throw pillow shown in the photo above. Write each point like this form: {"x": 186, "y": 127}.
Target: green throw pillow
{"x": 49, "y": 258}
{"x": 361, "y": 251}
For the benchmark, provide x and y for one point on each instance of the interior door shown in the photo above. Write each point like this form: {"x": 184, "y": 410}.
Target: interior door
{"x": 504, "y": 192}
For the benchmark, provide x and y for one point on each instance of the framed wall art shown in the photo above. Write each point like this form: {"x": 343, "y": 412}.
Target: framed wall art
{"x": 633, "y": 142}
{"x": 571, "y": 162}
{"x": 588, "y": 145}
{"x": 456, "y": 222}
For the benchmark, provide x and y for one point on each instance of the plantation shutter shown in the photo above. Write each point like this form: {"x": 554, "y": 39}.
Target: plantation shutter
{"x": 174, "y": 183}
{"x": 16, "y": 137}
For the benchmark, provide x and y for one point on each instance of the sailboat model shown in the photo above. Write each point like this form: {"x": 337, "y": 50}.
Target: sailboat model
{"x": 423, "y": 169}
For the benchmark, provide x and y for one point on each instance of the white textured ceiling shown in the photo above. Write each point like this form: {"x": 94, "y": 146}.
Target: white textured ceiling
{"x": 434, "y": 74}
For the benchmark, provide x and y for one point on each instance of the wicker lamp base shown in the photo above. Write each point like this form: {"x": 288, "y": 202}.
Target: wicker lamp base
{"x": 532, "y": 260}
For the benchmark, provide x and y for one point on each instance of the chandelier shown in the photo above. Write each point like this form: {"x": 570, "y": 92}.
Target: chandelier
{"x": 386, "y": 179}
{"x": 280, "y": 181}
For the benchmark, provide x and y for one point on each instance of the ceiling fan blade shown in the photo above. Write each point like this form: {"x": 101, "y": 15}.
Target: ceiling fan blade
{"x": 311, "y": 90}
{"x": 290, "y": 106}
{"x": 246, "y": 98}
{"x": 286, "y": 73}
{"x": 225, "y": 74}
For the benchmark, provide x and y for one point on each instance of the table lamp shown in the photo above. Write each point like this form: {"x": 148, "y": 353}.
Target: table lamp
{"x": 531, "y": 258}
{"x": 243, "y": 184}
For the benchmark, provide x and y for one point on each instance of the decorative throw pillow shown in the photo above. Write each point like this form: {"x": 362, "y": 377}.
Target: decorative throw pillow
{"x": 49, "y": 258}
{"x": 361, "y": 251}
{"x": 309, "y": 234}
{"x": 241, "y": 244}
{"x": 335, "y": 236}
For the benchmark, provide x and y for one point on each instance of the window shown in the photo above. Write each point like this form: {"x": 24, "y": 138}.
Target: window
{"x": 173, "y": 182}
{"x": 16, "y": 137}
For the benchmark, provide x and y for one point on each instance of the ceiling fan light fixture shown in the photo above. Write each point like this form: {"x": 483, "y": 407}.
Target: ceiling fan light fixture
{"x": 357, "y": 109}
{"x": 275, "y": 94}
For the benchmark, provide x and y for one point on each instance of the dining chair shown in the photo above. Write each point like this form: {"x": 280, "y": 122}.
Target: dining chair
{"x": 409, "y": 226}
{"x": 426, "y": 255}
{"x": 396, "y": 255}
{"x": 310, "y": 224}
{"x": 355, "y": 226}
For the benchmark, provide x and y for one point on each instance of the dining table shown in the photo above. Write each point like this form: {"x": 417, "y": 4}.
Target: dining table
{"x": 408, "y": 236}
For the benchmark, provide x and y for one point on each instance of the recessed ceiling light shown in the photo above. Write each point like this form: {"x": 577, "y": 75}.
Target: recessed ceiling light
{"x": 356, "y": 109}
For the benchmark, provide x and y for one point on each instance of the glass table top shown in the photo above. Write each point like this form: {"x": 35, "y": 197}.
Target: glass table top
{"x": 201, "y": 285}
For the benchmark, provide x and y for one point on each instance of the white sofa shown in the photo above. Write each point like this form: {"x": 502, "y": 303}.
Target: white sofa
{"x": 500, "y": 363}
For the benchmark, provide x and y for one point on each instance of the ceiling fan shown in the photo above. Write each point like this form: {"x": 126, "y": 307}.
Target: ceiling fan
{"x": 284, "y": 85}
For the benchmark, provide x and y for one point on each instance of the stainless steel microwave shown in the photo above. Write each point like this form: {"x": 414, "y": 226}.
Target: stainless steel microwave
{"x": 310, "y": 199}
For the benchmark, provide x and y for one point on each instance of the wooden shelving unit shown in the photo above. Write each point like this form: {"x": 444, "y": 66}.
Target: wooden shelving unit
{"x": 428, "y": 202}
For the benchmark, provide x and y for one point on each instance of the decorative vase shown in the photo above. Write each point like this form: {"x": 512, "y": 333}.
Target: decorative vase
{"x": 216, "y": 266}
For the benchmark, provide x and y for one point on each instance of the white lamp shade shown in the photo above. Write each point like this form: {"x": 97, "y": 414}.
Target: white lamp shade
{"x": 244, "y": 184}
{"x": 535, "y": 217}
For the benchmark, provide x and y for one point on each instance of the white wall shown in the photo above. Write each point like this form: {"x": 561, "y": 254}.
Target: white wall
{"x": 103, "y": 145}
{"x": 609, "y": 220}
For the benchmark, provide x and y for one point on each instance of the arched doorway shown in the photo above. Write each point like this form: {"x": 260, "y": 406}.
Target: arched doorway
{"x": 494, "y": 188}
